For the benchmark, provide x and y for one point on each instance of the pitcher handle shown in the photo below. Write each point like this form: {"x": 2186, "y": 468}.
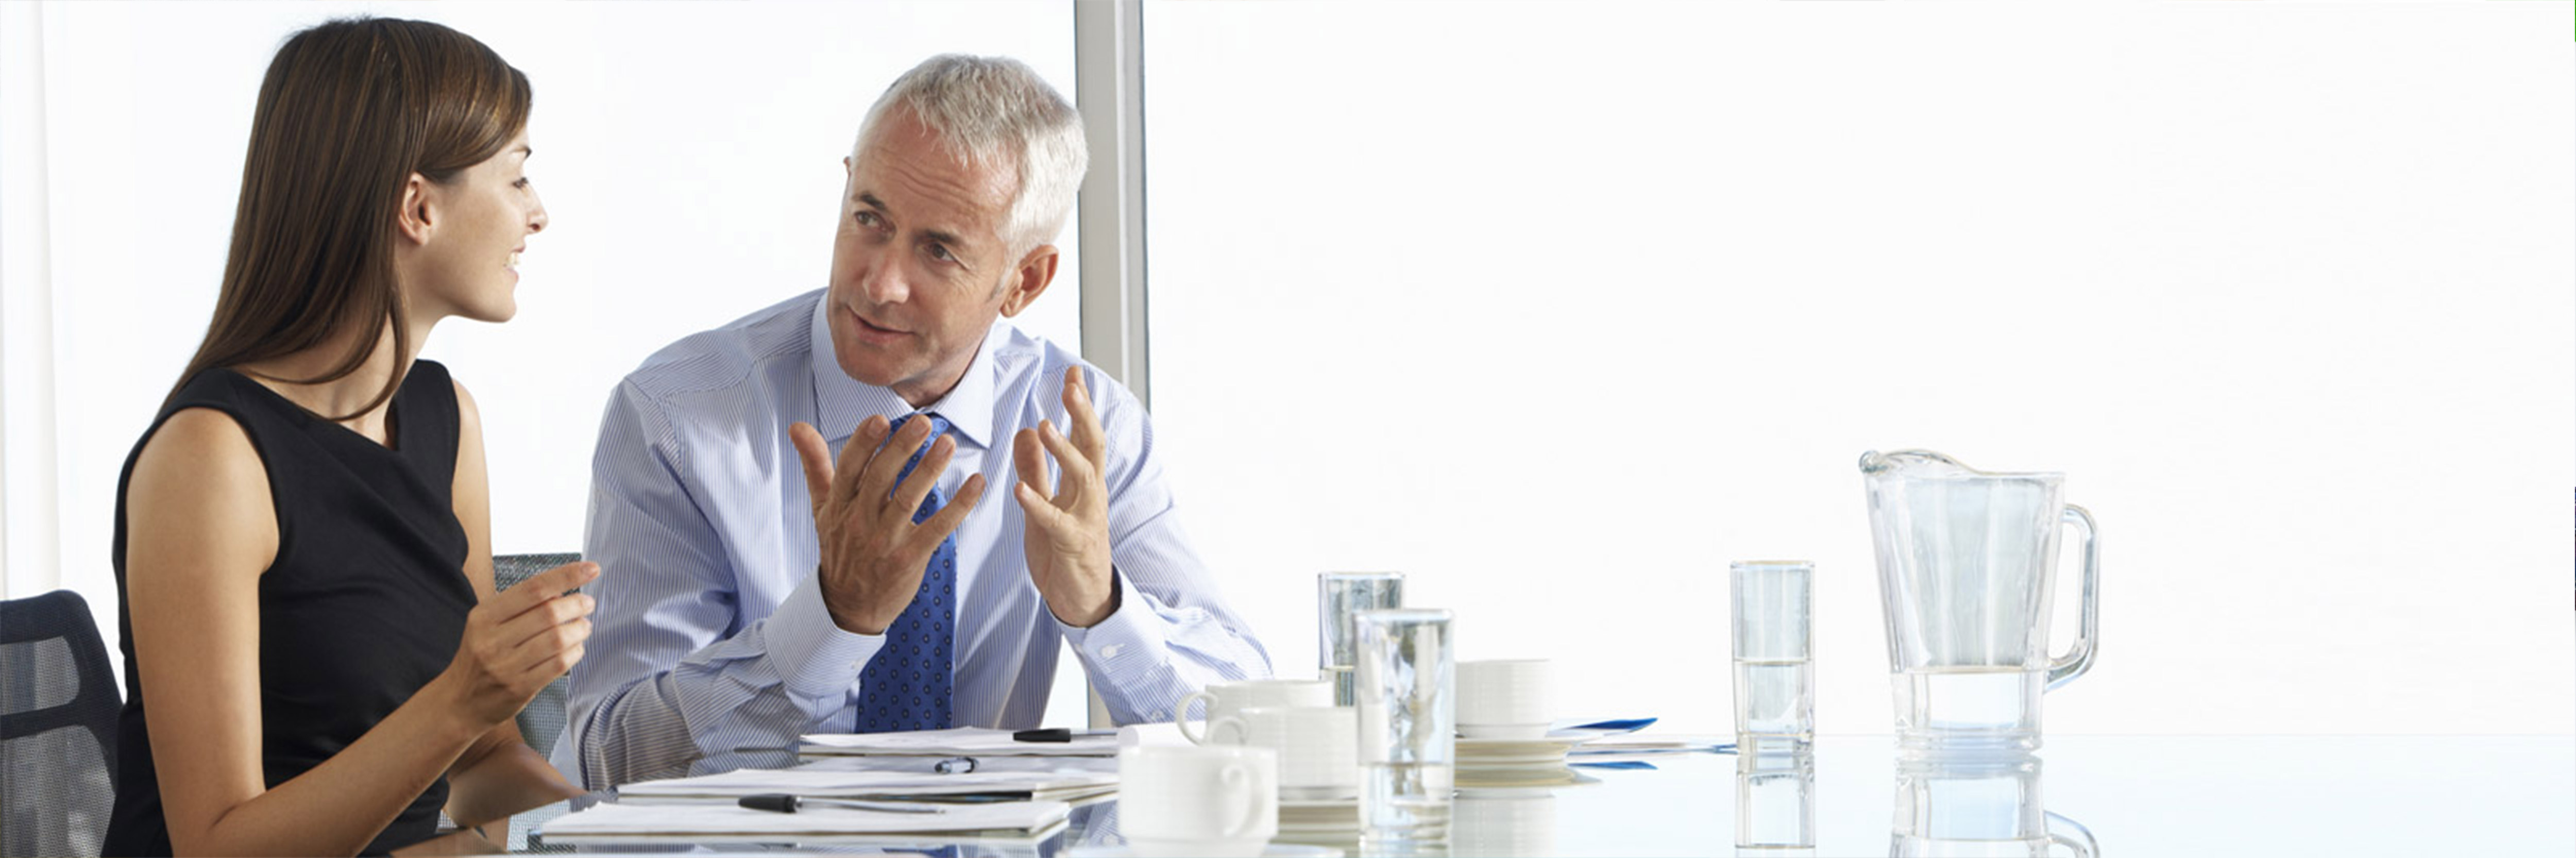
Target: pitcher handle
{"x": 2081, "y": 843}
{"x": 2080, "y": 658}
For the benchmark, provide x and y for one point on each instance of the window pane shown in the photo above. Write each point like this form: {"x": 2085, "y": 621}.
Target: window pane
{"x": 1560, "y": 307}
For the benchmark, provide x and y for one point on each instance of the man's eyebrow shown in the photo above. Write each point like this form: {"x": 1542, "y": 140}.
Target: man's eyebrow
{"x": 951, "y": 239}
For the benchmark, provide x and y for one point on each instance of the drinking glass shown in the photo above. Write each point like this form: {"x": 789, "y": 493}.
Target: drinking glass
{"x": 1408, "y": 727}
{"x": 1338, "y": 595}
{"x": 1775, "y": 692}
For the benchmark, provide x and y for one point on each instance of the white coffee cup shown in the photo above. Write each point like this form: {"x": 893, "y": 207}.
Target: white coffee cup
{"x": 1227, "y": 698}
{"x": 1318, "y": 746}
{"x": 1191, "y": 800}
{"x": 1506, "y": 698}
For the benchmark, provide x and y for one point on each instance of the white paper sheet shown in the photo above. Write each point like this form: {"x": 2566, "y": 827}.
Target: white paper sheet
{"x": 960, "y": 741}
{"x": 717, "y": 821}
{"x": 814, "y": 782}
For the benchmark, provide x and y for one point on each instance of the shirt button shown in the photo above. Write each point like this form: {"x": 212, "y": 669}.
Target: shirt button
{"x": 1112, "y": 650}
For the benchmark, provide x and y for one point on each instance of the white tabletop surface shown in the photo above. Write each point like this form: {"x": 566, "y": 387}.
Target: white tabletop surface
{"x": 2138, "y": 795}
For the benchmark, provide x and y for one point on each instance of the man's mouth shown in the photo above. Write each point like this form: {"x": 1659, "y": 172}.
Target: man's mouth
{"x": 872, "y": 327}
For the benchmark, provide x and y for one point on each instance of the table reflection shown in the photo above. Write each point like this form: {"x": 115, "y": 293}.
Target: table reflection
{"x": 1509, "y": 811}
{"x": 1775, "y": 805}
{"x": 1978, "y": 807}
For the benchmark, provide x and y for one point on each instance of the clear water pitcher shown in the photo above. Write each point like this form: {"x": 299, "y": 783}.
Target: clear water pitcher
{"x": 1966, "y": 561}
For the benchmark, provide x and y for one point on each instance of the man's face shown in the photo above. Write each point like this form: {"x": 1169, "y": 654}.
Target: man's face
{"x": 918, "y": 264}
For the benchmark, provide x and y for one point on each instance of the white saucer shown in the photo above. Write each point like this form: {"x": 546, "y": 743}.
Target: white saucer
{"x": 1274, "y": 850}
{"x": 1499, "y": 781}
{"x": 1319, "y": 817}
{"x": 1490, "y": 753}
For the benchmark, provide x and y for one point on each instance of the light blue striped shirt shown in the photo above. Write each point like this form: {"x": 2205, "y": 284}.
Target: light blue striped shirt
{"x": 711, "y": 632}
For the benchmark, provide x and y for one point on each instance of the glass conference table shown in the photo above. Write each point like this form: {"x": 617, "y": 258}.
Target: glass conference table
{"x": 2129, "y": 795}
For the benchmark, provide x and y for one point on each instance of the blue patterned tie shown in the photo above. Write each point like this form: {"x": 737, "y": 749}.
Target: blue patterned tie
{"x": 907, "y": 685}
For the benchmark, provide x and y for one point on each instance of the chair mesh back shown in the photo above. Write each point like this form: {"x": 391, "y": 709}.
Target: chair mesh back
{"x": 543, "y": 721}
{"x": 58, "y": 707}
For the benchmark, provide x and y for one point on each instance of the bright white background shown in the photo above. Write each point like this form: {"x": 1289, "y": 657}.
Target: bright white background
{"x": 1557, "y": 308}
{"x": 689, "y": 155}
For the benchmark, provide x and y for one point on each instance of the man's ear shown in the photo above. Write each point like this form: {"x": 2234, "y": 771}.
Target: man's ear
{"x": 1030, "y": 279}
{"x": 418, "y": 216}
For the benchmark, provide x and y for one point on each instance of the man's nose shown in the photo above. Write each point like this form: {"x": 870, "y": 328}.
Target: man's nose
{"x": 882, "y": 283}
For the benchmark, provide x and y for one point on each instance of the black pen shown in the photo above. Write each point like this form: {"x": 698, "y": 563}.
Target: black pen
{"x": 1057, "y": 734}
{"x": 784, "y": 803}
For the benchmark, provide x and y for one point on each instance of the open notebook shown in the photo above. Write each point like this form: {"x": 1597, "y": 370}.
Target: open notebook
{"x": 817, "y": 782}
{"x": 624, "y": 821}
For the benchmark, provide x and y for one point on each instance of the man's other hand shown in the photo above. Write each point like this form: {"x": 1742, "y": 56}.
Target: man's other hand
{"x": 1067, "y": 534}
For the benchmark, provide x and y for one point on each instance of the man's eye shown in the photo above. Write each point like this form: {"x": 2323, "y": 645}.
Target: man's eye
{"x": 866, "y": 218}
{"x": 521, "y": 183}
{"x": 940, "y": 252}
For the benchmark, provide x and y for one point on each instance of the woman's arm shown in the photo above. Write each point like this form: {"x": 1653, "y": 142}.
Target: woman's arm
{"x": 500, "y": 775}
{"x": 201, "y": 530}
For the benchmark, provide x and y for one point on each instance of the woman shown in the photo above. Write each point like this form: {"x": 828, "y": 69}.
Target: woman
{"x": 316, "y": 661}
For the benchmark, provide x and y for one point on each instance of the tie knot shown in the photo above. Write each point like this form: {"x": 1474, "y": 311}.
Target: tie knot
{"x": 938, "y": 424}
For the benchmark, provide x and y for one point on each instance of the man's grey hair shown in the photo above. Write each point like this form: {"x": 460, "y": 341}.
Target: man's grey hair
{"x": 995, "y": 112}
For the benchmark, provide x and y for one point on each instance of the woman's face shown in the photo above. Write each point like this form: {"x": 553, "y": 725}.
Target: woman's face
{"x": 479, "y": 223}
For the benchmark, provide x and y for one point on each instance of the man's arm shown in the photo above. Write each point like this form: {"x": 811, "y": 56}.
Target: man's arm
{"x": 1149, "y": 627}
{"x": 670, "y": 677}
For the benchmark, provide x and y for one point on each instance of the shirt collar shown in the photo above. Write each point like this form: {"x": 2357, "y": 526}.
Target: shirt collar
{"x": 840, "y": 401}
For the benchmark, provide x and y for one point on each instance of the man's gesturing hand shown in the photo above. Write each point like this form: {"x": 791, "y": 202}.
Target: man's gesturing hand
{"x": 872, "y": 552}
{"x": 1068, "y": 534}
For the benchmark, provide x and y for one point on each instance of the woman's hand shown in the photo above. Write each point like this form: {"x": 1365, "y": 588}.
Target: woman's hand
{"x": 518, "y": 641}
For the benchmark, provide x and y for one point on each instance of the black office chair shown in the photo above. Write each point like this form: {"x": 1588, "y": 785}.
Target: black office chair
{"x": 58, "y": 706}
{"x": 543, "y": 721}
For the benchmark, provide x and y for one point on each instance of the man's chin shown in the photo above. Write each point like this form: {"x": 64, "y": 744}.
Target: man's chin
{"x": 867, "y": 367}
{"x": 869, "y": 371}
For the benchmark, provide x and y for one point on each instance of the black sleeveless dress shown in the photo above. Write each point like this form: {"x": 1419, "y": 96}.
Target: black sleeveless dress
{"x": 364, "y": 604}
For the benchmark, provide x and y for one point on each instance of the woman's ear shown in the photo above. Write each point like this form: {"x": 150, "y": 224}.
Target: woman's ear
{"x": 417, "y": 218}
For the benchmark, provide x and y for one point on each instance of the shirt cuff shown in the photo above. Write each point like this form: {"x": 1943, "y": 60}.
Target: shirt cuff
{"x": 1128, "y": 641}
{"x": 812, "y": 654}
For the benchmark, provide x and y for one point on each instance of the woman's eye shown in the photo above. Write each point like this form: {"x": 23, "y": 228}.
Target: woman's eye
{"x": 521, "y": 183}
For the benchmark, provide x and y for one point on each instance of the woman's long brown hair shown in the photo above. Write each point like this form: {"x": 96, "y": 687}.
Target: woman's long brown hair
{"x": 349, "y": 110}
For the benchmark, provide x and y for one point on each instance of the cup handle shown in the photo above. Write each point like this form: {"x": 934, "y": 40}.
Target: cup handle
{"x": 2079, "y": 658}
{"x": 2081, "y": 843}
{"x": 1236, "y": 778}
{"x": 1181, "y": 716}
{"x": 1242, "y": 731}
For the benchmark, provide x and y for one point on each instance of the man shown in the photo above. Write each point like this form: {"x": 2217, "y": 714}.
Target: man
{"x": 789, "y": 511}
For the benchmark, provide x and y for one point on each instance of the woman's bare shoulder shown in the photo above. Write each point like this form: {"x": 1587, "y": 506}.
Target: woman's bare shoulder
{"x": 199, "y": 486}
